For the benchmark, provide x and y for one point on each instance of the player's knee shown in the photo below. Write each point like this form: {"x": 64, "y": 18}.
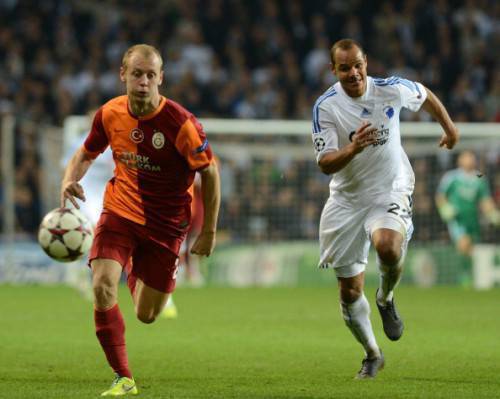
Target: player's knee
{"x": 464, "y": 246}
{"x": 105, "y": 292}
{"x": 350, "y": 294}
{"x": 388, "y": 252}
{"x": 146, "y": 317}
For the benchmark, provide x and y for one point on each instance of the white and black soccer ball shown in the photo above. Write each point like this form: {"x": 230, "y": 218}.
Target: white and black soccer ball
{"x": 65, "y": 234}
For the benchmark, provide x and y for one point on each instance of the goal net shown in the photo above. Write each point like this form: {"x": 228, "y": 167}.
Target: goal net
{"x": 273, "y": 193}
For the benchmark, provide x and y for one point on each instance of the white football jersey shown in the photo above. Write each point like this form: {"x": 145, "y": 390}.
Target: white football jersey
{"x": 381, "y": 167}
{"x": 95, "y": 180}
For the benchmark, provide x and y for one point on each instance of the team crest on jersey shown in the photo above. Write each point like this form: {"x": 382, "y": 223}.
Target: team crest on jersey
{"x": 389, "y": 111}
{"x": 158, "y": 140}
{"x": 136, "y": 135}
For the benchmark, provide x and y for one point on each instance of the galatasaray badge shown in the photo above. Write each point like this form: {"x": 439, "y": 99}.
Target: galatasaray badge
{"x": 158, "y": 140}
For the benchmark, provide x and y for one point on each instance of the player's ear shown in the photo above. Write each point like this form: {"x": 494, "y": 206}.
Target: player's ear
{"x": 332, "y": 68}
{"x": 160, "y": 81}
{"x": 122, "y": 74}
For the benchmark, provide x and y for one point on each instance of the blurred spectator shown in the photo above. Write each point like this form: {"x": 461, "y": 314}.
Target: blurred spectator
{"x": 237, "y": 59}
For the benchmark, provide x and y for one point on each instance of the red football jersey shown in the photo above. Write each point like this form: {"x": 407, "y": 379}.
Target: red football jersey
{"x": 156, "y": 157}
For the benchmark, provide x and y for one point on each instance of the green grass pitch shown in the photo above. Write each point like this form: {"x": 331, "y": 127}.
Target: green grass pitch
{"x": 252, "y": 343}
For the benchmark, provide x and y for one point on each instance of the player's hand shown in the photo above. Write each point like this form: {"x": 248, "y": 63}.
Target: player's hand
{"x": 449, "y": 139}
{"x": 204, "y": 244}
{"x": 71, "y": 190}
{"x": 364, "y": 136}
{"x": 447, "y": 211}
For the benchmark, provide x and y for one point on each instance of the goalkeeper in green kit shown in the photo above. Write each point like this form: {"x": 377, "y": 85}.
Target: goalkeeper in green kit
{"x": 460, "y": 195}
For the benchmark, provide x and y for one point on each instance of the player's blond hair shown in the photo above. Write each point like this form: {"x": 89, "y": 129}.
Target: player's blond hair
{"x": 344, "y": 44}
{"x": 145, "y": 50}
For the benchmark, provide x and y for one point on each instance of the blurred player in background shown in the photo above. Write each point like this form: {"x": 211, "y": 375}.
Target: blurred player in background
{"x": 189, "y": 263}
{"x": 357, "y": 140}
{"x": 157, "y": 147}
{"x": 93, "y": 184}
{"x": 460, "y": 195}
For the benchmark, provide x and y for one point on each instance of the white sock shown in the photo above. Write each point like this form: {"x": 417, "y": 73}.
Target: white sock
{"x": 389, "y": 279}
{"x": 357, "y": 317}
{"x": 170, "y": 301}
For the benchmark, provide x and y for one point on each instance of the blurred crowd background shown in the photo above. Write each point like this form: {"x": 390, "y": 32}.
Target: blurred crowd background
{"x": 245, "y": 59}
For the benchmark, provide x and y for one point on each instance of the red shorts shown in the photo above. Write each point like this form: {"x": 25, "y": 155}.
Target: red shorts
{"x": 131, "y": 244}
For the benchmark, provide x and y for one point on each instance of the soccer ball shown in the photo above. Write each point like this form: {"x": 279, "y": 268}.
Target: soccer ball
{"x": 65, "y": 234}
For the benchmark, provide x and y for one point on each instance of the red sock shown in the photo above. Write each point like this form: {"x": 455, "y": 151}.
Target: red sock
{"x": 110, "y": 331}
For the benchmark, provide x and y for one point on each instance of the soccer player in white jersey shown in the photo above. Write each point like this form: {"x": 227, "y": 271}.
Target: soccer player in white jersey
{"x": 357, "y": 140}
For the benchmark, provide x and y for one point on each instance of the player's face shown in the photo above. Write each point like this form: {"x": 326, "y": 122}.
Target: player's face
{"x": 142, "y": 76}
{"x": 350, "y": 68}
{"x": 467, "y": 161}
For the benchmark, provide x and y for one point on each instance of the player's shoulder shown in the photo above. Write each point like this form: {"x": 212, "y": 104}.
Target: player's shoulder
{"x": 330, "y": 95}
{"x": 117, "y": 103}
{"x": 176, "y": 111}
{"x": 452, "y": 175}
{"x": 115, "y": 106}
{"x": 394, "y": 83}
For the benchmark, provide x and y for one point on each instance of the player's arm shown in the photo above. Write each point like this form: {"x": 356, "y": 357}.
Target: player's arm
{"x": 210, "y": 191}
{"x": 489, "y": 209}
{"x": 76, "y": 169}
{"x": 446, "y": 210}
{"x": 332, "y": 162}
{"x": 436, "y": 109}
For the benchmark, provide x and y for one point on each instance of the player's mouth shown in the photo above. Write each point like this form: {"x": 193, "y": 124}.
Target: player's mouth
{"x": 356, "y": 83}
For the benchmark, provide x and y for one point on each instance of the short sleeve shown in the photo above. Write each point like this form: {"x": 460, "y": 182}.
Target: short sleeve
{"x": 324, "y": 132}
{"x": 97, "y": 140}
{"x": 445, "y": 183}
{"x": 192, "y": 144}
{"x": 484, "y": 190}
{"x": 413, "y": 94}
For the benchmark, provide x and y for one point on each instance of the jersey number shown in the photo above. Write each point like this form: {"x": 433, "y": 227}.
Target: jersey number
{"x": 396, "y": 209}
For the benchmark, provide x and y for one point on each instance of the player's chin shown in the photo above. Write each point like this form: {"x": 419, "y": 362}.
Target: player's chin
{"x": 141, "y": 96}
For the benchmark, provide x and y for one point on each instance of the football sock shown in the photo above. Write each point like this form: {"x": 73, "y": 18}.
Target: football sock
{"x": 389, "y": 278}
{"x": 110, "y": 331}
{"x": 357, "y": 317}
{"x": 465, "y": 268}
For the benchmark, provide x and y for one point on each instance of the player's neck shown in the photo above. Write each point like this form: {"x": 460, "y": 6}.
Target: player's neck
{"x": 142, "y": 108}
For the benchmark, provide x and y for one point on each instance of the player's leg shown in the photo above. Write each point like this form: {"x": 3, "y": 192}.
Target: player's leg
{"x": 155, "y": 269}
{"x": 343, "y": 241}
{"x": 356, "y": 313}
{"x": 149, "y": 302}
{"x": 390, "y": 228}
{"x": 388, "y": 245}
{"x": 109, "y": 324}
{"x": 462, "y": 238}
{"x": 110, "y": 252}
{"x": 464, "y": 245}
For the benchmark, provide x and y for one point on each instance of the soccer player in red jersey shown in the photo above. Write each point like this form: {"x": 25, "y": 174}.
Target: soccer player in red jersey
{"x": 157, "y": 146}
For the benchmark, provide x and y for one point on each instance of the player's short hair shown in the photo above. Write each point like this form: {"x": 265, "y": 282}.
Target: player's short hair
{"x": 344, "y": 44}
{"x": 144, "y": 49}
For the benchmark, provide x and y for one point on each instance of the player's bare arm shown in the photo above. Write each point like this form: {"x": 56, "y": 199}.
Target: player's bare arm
{"x": 210, "y": 189}
{"x": 436, "y": 109}
{"x": 76, "y": 169}
{"x": 334, "y": 161}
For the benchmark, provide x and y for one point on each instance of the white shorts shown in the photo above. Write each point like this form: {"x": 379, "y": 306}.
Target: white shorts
{"x": 345, "y": 231}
